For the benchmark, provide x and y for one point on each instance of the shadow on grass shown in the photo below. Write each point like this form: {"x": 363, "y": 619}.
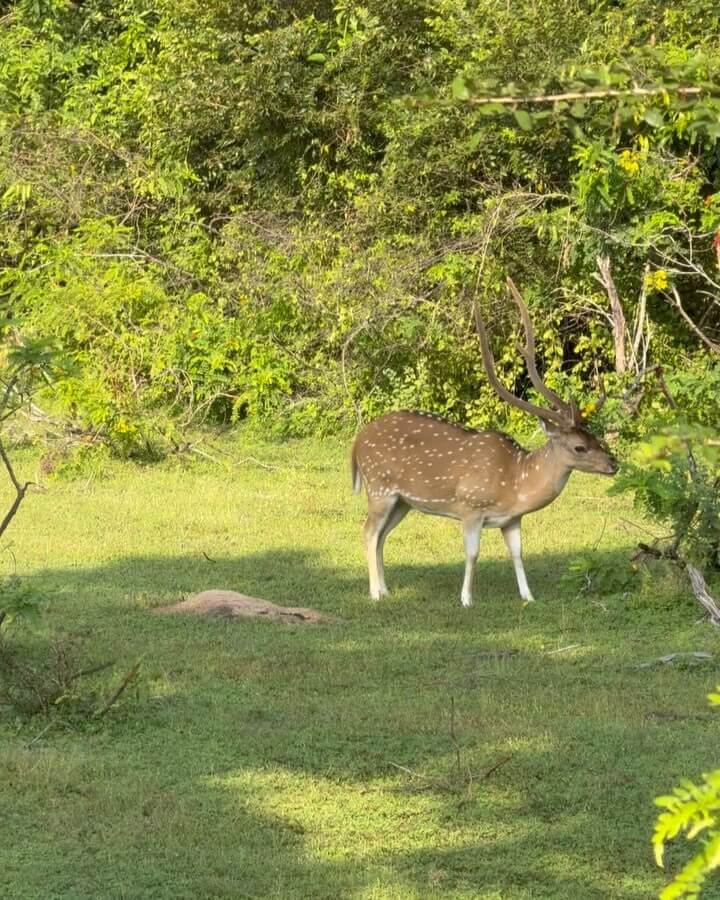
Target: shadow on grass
{"x": 296, "y": 576}
{"x": 276, "y": 749}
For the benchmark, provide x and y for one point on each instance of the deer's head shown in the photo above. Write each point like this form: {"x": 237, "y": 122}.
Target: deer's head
{"x": 578, "y": 449}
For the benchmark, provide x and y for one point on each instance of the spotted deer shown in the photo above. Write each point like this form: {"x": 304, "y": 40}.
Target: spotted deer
{"x": 413, "y": 460}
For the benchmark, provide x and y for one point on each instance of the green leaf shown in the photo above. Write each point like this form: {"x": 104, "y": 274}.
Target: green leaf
{"x": 654, "y": 117}
{"x": 474, "y": 141}
{"x": 491, "y": 109}
{"x": 317, "y": 57}
{"x": 658, "y": 848}
{"x": 460, "y": 89}
{"x": 524, "y": 119}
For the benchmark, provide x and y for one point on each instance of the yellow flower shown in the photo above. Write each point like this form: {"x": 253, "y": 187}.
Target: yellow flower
{"x": 657, "y": 280}
{"x": 122, "y": 426}
{"x": 628, "y": 162}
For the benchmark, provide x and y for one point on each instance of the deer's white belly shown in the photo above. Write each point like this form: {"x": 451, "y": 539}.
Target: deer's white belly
{"x": 497, "y": 521}
{"x": 440, "y": 508}
{"x": 429, "y": 508}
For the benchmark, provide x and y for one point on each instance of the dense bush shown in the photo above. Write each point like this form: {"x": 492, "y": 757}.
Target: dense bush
{"x": 673, "y": 467}
{"x": 279, "y": 212}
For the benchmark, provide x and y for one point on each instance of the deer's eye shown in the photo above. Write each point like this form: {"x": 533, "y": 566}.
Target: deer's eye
{"x": 580, "y": 448}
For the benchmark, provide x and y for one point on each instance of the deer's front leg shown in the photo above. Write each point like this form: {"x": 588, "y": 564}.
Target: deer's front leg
{"x": 471, "y": 538}
{"x": 513, "y": 541}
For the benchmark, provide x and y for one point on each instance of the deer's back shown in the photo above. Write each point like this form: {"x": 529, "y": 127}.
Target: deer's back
{"x": 428, "y": 460}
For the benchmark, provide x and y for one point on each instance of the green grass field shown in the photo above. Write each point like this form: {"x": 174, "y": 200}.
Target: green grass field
{"x": 257, "y": 759}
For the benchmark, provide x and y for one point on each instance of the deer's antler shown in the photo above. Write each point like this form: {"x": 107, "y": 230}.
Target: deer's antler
{"x": 569, "y": 410}
{"x": 550, "y": 415}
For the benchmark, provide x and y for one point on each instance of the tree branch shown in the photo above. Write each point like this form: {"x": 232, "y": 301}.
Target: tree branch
{"x": 600, "y": 94}
{"x": 20, "y": 490}
{"x": 127, "y": 680}
{"x": 618, "y": 316}
{"x": 714, "y": 347}
{"x": 702, "y": 594}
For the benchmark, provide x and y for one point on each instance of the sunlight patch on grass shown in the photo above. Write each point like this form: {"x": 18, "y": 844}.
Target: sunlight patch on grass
{"x": 360, "y": 822}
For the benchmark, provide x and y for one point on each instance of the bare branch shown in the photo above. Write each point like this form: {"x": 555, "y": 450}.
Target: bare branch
{"x": 600, "y": 94}
{"x": 7, "y": 393}
{"x": 640, "y": 318}
{"x": 127, "y": 680}
{"x": 602, "y": 394}
{"x": 618, "y": 316}
{"x": 712, "y": 345}
{"x": 20, "y": 490}
{"x": 702, "y": 594}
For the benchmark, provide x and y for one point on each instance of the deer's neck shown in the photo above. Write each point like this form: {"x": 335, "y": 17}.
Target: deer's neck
{"x": 541, "y": 477}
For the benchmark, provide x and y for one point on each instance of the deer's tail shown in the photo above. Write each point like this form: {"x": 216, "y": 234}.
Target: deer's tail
{"x": 355, "y": 471}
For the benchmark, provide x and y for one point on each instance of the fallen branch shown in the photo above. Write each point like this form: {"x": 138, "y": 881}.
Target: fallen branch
{"x": 93, "y": 670}
{"x": 489, "y": 772}
{"x": 494, "y": 654}
{"x": 40, "y": 734}
{"x": 453, "y": 735}
{"x": 411, "y": 772}
{"x": 255, "y": 462}
{"x": 656, "y": 552}
{"x": 702, "y": 594}
{"x": 127, "y": 680}
{"x": 697, "y": 580}
{"x": 669, "y": 657}
{"x": 448, "y": 784}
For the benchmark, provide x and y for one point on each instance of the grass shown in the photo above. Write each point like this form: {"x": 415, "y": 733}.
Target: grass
{"x": 344, "y": 760}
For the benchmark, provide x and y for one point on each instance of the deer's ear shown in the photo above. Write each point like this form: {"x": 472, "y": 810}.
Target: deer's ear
{"x": 549, "y": 428}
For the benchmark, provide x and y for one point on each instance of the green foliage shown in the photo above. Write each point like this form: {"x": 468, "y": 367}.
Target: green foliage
{"x": 691, "y": 809}
{"x": 667, "y": 89}
{"x": 23, "y": 366}
{"x": 19, "y": 601}
{"x": 673, "y": 469}
{"x": 591, "y": 573}
{"x": 226, "y": 211}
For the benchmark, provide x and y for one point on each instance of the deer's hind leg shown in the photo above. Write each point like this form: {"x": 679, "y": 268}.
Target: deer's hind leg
{"x": 384, "y": 513}
{"x": 398, "y": 513}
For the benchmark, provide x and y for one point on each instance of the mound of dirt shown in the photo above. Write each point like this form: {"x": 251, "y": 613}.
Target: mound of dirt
{"x": 231, "y": 605}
